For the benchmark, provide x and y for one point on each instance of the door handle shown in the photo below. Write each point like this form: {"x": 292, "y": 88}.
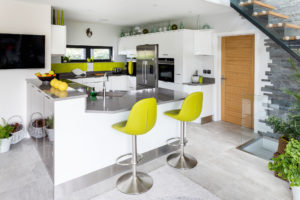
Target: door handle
{"x": 145, "y": 71}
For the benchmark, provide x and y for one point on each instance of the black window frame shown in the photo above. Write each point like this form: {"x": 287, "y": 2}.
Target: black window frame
{"x": 88, "y": 52}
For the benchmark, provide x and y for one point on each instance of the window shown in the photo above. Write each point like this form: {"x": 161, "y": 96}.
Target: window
{"x": 78, "y": 53}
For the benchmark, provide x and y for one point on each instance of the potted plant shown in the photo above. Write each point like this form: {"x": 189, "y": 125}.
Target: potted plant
{"x": 5, "y": 136}
{"x": 65, "y": 59}
{"x": 287, "y": 129}
{"x": 50, "y": 128}
{"x": 288, "y": 166}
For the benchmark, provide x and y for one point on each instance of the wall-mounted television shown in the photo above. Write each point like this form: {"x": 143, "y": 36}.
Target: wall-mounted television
{"x": 18, "y": 51}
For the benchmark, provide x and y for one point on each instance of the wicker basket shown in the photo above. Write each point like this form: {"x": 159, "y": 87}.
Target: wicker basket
{"x": 281, "y": 145}
{"x": 34, "y": 130}
{"x": 20, "y": 134}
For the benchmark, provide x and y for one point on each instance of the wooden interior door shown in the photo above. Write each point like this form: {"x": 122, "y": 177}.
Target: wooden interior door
{"x": 238, "y": 79}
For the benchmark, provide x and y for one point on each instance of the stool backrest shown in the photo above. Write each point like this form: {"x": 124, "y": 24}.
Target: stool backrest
{"x": 142, "y": 117}
{"x": 191, "y": 107}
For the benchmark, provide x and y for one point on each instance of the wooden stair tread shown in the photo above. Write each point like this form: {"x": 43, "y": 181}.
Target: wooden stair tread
{"x": 289, "y": 38}
{"x": 263, "y": 13}
{"x": 279, "y": 25}
{"x": 259, "y": 3}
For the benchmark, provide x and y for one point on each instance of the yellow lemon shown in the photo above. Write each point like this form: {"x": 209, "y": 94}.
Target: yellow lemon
{"x": 56, "y": 92}
{"x": 56, "y": 84}
{"x": 52, "y": 82}
{"x": 51, "y": 72}
{"x": 63, "y": 94}
{"x": 52, "y": 90}
{"x": 63, "y": 86}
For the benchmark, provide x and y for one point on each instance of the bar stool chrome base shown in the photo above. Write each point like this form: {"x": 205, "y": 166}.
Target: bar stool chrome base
{"x": 179, "y": 161}
{"x": 130, "y": 184}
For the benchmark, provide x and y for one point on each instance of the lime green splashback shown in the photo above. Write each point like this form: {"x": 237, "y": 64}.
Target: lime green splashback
{"x": 108, "y": 66}
{"x": 68, "y": 67}
{"x": 101, "y": 66}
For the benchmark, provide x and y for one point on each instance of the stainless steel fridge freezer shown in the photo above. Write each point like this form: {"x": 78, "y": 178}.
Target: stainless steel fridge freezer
{"x": 147, "y": 66}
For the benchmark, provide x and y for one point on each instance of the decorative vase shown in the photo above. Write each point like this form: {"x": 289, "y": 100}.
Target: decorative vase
{"x": 169, "y": 26}
{"x": 53, "y": 16}
{"x": 5, "y": 144}
{"x": 181, "y": 26}
{"x": 58, "y": 18}
{"x": 281, "y": 145}
{"x": 296, "y": 193}
{"x": 62, "y": 18}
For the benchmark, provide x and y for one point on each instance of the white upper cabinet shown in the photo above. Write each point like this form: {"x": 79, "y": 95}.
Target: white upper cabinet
{"x": 168, "y": 43}
{"x": 203, "y": 42}
{"x": 58, "y": 39}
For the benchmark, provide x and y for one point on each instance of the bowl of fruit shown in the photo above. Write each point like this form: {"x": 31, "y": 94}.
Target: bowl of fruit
{"x": 46, "y": 77}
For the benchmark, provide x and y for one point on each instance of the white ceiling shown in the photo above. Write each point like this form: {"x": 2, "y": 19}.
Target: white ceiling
{"x": 132, "y": 12}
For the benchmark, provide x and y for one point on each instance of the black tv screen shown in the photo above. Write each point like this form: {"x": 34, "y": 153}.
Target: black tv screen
{"x": 22, "y": 51}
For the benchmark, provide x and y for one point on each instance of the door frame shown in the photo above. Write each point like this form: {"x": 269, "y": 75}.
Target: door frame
{"x": 223, "y": 92}
{"x": 260, "y": 66}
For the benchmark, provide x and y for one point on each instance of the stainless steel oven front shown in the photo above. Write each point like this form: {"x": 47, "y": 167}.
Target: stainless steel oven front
{"x": 166, "y": 69}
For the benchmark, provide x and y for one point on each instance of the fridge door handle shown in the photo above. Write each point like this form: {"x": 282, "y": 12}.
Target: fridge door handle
{"x": 145, "y": 70}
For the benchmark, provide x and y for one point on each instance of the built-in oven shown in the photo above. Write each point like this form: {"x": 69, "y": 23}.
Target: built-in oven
{"x": 166, "y": 69}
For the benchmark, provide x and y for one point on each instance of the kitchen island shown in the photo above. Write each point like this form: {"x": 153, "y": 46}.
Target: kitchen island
{"x": 85, "y": 146}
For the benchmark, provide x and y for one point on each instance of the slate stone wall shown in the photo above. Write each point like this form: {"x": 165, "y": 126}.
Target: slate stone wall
{"x": 280, "y": 78}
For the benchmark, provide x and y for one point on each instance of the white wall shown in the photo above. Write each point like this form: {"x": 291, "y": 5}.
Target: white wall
{"x": 233, "y": 24}
{"x": 103, "y": 35}
{"x": 21, "y": 18}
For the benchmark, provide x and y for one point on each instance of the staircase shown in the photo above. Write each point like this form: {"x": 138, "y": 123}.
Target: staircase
{"x": 274, "y": 24}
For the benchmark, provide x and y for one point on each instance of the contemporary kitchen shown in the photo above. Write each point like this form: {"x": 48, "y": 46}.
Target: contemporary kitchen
{"x": 148, "y": 100}
{"x": 99, "y": 95}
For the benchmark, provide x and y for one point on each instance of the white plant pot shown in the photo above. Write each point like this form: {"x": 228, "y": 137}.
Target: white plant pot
{"x": 50, "y": 133}
{"x": 5, "y": 145}
{"x": 296, "y": 193}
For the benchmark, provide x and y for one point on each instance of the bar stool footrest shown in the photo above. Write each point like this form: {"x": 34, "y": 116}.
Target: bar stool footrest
{"x": 175, "y": 141}
{"x": 126, "y": 162}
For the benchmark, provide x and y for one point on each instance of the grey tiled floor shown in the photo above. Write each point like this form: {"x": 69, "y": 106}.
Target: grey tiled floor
{"x": 222, "y": 169}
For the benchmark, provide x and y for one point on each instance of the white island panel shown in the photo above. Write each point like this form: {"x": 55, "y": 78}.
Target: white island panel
{"x": 85, "y": 142}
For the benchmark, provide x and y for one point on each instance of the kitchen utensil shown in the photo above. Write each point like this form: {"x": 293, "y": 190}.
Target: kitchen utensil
{"x": 78, "y": 72}
{"x": 98, "y": 74}
{"x": 117, "y": 70}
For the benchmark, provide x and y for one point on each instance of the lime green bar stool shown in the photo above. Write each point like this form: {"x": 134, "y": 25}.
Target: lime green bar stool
{"x": 190, "y": 110}
{"x": 141, "y": 119}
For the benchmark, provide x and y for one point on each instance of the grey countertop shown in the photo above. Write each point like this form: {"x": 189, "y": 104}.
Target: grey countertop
{"x": 55, "y": 94}
{"x": 89, "y": 75}
{"x": 124, "y": 100}
{"x": 206, "y": 81}
{"x": 115, "y": 101}
{"x": 198, "y": 84}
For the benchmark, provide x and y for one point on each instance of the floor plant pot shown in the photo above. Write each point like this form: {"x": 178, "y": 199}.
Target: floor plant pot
{"x": 282, "y": 144}
{"x": 296, "y": 193}
{"x": 5, "y": 144}
{"x": 50, "y": 133}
